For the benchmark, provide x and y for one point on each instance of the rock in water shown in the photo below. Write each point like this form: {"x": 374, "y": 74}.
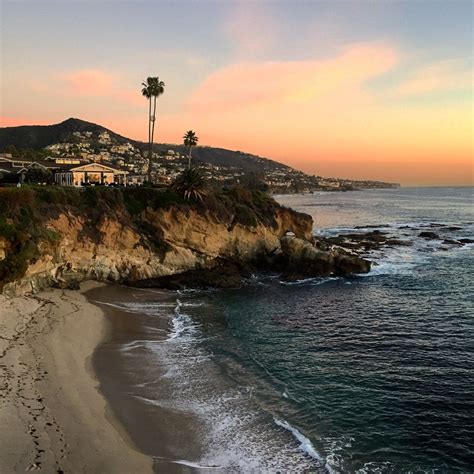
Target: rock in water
{"x": 428, "y": 235}
{"x": 301, "y": 259}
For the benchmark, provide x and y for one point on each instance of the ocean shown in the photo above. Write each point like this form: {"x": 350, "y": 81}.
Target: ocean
{"x": 368, "y": 374}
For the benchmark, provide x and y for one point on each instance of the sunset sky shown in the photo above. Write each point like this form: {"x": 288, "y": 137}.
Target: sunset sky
{"x": 355, "y": 89}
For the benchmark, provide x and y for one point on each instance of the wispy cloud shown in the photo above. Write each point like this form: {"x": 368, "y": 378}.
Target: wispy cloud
{"x": 250, "y": 26}
{"x": 97, "y": 83}
{"x": 443, "y": 76}
{"x": 245, "y": 84}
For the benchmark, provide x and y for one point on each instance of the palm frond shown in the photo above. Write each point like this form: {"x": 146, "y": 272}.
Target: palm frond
{"x": 191, "y": 184}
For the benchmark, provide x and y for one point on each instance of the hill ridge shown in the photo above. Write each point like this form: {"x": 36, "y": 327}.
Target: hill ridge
{"x": 95, "y": 142}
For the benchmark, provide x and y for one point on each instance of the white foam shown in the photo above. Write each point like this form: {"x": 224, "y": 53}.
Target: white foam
{"x": 315, "y": 281}
{"x": 195, "y": 465}
{"x": 138, "y": 308}
{"x": 306, "y": 445}
{"x": 183, "y": 327}
{"x": 236, "y": 435}
{"x": 130, "y": 346}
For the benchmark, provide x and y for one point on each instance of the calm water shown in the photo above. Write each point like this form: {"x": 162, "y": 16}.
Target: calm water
{"x": 369, "y": 374}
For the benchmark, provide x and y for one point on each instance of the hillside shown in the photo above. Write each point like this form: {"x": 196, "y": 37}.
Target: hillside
{"x": 42, "y": 136}
{"x": 92, "y": 142}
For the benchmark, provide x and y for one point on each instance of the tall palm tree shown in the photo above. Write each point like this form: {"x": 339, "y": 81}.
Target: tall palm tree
{"x": 151, "y": 89}
{"x": 190, "y": 140}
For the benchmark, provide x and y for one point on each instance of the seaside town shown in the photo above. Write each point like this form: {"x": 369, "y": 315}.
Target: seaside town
{"x": 100, "y": 157}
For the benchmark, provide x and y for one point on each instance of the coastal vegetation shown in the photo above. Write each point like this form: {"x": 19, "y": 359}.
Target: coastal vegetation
{"x": 25, "y": 212}
{"x": 191, "y": 184}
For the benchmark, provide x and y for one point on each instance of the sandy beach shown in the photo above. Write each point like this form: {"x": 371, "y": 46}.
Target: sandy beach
{"x": 52, "y": 415}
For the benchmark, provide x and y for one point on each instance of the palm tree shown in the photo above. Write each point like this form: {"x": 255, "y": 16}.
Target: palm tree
{"x": 191, "y": 184}
{"x": 190, "y": 140}
{"x": 151, "y": 89}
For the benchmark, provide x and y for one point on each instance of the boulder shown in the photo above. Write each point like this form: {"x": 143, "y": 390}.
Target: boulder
{"x": 301, "y": 259}
{"x": 349, "y": 264}
{"x": 398, "y": 242}
{"x": 451, "y": 242}
{"x": 428, "y": 235}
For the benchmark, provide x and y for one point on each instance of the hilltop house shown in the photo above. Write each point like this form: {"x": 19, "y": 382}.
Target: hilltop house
{"x": 20, "y": 168}
{"x": 90, "y": 173}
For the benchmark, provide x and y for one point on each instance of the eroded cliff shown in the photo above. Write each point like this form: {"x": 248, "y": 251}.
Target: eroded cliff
{"x": 60, "y": 237}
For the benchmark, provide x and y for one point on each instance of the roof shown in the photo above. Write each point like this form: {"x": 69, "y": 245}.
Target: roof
{"x": 27, "y": 163}
{"x": 8, "y": 167}
{"x": 90, "y": 167}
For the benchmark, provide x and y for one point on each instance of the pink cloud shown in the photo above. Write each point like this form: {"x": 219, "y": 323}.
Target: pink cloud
{"x": 99, "y": 83}
{"x": 91, "y": 82}
{"x": 251, "y": 26}
{"x": 246, "y": 84}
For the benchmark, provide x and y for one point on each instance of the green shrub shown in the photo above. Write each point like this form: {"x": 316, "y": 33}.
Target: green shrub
{"x": 245, "y": 215}
{"x": 13, "y": 199}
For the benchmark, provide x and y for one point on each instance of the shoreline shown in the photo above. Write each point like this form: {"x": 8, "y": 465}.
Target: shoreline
{"x": 52, "y": 414}
{"x": 165, "y": 433}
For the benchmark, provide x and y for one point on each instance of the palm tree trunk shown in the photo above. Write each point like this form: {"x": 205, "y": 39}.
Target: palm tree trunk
{"x": 189, "y": 159}
{"x": 149, "y": 140}
{"x": 152, "y": 131}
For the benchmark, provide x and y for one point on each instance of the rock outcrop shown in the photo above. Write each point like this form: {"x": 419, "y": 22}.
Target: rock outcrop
{"x": 301, "y": 259}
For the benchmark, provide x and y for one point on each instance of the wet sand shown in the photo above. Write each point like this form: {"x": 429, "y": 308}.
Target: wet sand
{"x": 52, "y": 416}
{"x": 136, "y": 386}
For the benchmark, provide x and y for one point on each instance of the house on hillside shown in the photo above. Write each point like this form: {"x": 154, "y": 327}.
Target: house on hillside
{"x": 6, "y": 159}
{"x": 13, "y": 171}
{"x": 90, "y": 174}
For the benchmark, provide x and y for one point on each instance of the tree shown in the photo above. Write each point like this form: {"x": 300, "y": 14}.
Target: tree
{"x": 191, "y": 184}
{"x": 151, "y": 89}
{"x": 190, "y": 140}
{"x": 38, "y": 175}
{"x": 254, "y": 181}
{"x": 12, "y": 150}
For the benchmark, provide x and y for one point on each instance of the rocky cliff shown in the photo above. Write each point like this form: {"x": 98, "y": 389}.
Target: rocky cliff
{"x": 48, "y": 238}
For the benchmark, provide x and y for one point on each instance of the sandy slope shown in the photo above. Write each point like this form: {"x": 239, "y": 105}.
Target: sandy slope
{"x": 52, "y": 417}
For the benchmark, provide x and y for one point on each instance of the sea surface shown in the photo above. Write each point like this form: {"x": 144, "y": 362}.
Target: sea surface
{"x": 368, "y": 374}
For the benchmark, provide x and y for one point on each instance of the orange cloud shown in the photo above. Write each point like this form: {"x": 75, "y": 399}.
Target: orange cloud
{"x": 88, "y": 82}
{"x": 249, "y": 84}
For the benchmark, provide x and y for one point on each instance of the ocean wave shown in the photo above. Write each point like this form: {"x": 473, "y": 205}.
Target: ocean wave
{"x": 306, "y": 446}
{"x": 236, "y": 434}
{"x": 131, "y": 346}
{"x": 310, "y": 281}
{"x": 137, "y": 308}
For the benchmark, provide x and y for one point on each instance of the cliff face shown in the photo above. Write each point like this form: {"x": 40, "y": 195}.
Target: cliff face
{"x": 176, "y": 240}
{"x": 59, "y": 237}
